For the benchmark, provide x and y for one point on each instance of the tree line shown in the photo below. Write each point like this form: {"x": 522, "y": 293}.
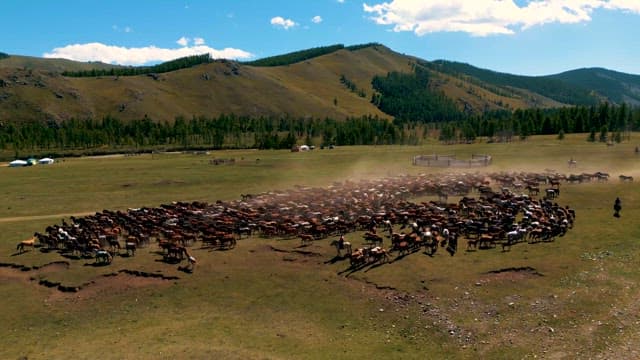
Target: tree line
{"x": 224, "y": 131}
{"x": 295, "y": 57}
{"x": 604, "y": 122}
{"x": 177, "y": 64}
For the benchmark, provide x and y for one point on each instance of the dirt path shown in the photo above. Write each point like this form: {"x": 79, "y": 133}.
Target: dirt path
{"x": 42, "y": 217}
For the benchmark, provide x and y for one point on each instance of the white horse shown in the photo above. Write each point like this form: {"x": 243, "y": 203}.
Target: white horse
{"x": 103, "y": 256}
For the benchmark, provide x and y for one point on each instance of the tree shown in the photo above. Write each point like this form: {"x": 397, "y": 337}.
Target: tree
{"x": 617, "y": 137}
{"x": 603, "y": 133}
{"x": 561, "y": 134}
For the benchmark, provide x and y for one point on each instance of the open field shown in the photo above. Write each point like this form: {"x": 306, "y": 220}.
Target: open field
{"x": 575, "y": 297}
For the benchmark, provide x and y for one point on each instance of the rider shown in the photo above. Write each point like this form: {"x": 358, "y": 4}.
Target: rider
{"x": 341, "y": 242}
{"x": 617, "y": 206}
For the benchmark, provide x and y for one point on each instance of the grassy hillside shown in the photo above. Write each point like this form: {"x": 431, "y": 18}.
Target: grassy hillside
{"x": 50, "y": 65}
{"x": 306, "y": 84}
{"x": 311, "y": 88}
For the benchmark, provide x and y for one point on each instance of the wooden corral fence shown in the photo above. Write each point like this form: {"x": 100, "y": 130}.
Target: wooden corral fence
{"x": 436, "y": 160}
{"x": 222, "y": 161}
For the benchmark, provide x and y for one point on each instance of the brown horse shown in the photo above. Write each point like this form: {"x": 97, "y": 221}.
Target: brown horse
{"x": 306, "y": 239}
{"x": 26, "y": 243}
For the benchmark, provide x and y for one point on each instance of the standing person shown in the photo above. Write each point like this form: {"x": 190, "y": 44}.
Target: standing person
{"x": 452, "y": 244}
{"x": 617, "y": 206}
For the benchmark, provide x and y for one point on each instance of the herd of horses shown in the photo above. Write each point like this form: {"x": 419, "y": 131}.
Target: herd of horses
{"x": 494, "y": 208}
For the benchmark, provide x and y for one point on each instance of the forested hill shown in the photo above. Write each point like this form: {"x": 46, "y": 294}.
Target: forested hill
{"x": 616, "y": 86}
{"x": 576, "y": 87}
{"x": 334, "y": 82}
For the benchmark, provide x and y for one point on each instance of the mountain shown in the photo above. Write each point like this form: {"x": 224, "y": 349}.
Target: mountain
{"x": 333, "y": 81}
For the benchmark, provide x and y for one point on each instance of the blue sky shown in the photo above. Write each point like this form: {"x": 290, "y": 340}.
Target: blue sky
{"x": 517, "y": 36}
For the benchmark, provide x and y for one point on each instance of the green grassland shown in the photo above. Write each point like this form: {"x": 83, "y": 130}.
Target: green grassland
{"x": 575, "y": 297}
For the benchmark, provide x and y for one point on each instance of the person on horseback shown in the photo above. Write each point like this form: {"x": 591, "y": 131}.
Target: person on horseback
{"x": 617, "y": 206}
{"x": 341, "y": 242}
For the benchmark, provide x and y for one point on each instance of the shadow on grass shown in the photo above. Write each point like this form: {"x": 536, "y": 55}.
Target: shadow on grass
{"x": 97, "y": 264}
{"x": 71, "y": 256}
{"x": 169, "y": 260}
{"x": 335, "y": 259}
{"x": 185, "y": 269}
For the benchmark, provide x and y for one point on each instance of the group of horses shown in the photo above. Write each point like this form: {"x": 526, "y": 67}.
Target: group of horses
{"x": 317, "y": 213}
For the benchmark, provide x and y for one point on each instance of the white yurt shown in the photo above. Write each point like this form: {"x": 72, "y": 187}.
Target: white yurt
{"x": 304, "y": 147}
{"x": 45, "y": 161}
{"x": 17, "y": 163}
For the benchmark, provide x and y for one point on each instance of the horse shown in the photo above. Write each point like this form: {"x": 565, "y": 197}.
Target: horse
{"x": 227, "y": 241}
{"x": 625, "y": 178}
{"x": 533, "y": 190}
{"x": 130, "y": 247}
{"x": 552, "y": 193}
{"x": 372, "y": 238}
{"x": 114, "y": 245}
{"x": 306, "y": 239}
{"x": 103, "y": 256}
{"x": 379, "y": 254}
{"x": 430, "y": 242}
{"x": 357, "y": 258}
{"x": 192, "y": 261}
{"x": 572, "y": 163}
{"x": 345, "y": 246}
{"x": 26, "y": 243}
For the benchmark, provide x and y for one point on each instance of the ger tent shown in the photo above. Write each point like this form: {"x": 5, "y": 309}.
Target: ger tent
{"x": 17, "y": 163}
{"x": 45, "y": 161}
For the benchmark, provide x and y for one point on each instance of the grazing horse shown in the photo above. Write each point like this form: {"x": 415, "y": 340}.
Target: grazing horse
{"x": 626, "y": 178}
{"x": 103, "y": 256}
{"x": 26, "y": 243}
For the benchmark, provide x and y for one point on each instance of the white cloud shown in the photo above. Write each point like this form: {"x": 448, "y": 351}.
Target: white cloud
{"x": 486, "y": 17}
{"x": 316, "y": 19}
{"x": 139, "y": 56}
{"x": 341, "y": 1}
{"x": 284, "y": 23}
{"x": 126, "y": 29}
{"x": 198, "y": 41}
{"x": 183, "y": 41}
